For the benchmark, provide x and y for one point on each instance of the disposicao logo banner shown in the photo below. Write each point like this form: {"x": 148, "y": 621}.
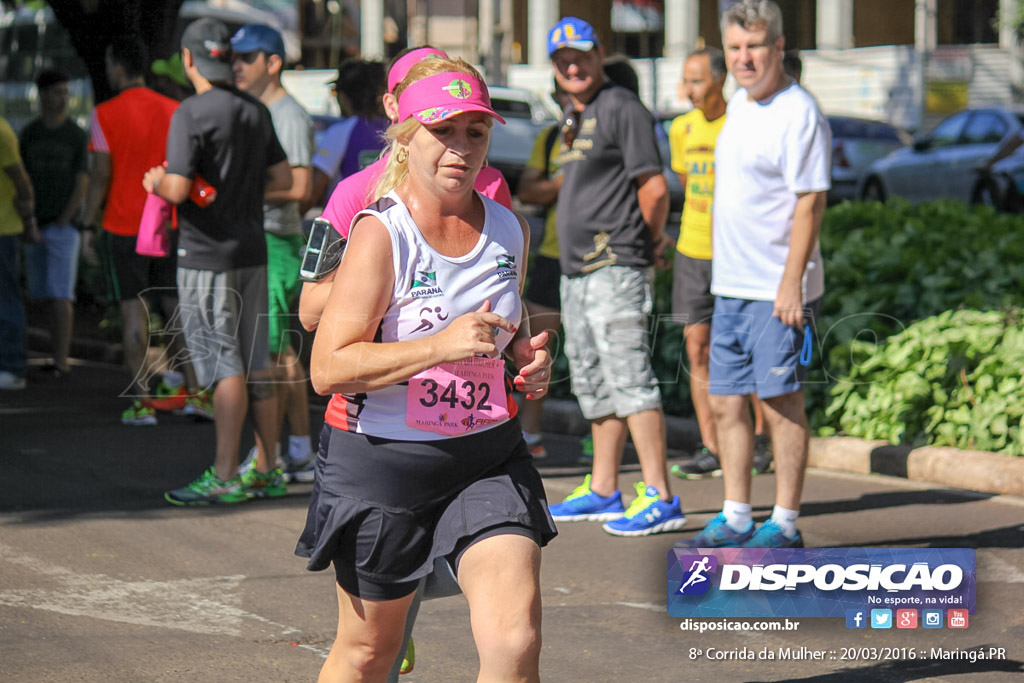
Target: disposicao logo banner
{"x": 817, "y": 582}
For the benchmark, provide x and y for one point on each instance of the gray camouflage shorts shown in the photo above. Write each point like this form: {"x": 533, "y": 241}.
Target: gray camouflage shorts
{"x": 606, "y": 315}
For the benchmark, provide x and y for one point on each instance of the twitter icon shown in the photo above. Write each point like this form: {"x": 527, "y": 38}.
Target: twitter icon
{"x": 881, "y": 618}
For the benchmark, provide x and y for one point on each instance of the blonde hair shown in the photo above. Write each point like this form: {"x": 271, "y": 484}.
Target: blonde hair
{"x": 397, "y": 168}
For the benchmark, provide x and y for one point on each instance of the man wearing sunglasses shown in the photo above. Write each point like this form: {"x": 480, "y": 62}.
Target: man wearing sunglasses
{"x": 257, "y": 63}
{"x": 612, "y": 208}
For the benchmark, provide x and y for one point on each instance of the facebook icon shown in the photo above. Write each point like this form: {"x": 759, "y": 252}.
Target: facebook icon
{"x": 856, "y": 618}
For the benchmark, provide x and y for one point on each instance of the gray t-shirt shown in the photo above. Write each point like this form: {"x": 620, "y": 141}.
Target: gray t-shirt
{"x": 294, "y": 129}
{"x": 599, "y": 218}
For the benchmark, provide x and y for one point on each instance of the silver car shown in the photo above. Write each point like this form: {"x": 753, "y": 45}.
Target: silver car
{"x": 526, "y": 116}
{"x": 942, "y": 163}
{"x": 856, "y": 143}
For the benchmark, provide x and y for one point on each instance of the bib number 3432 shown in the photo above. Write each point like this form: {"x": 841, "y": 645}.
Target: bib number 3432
{"x": 456, "y": 398}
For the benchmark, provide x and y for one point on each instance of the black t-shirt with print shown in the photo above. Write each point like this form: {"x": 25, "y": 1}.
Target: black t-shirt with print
{"x": 53, "y": 158}
{"x": 599, "y": 218}
{"x": 226, "y": 137}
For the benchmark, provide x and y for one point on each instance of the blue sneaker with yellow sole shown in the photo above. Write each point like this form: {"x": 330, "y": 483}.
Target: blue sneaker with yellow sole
{"x": 648, "y": 514}
{"x": 583, "y": 505}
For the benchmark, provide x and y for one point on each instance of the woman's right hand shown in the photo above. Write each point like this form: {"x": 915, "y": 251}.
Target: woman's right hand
{"x": 472, "y": 334}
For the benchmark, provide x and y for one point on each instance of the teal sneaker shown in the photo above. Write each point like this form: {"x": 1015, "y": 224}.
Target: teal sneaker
{"x": 648, "y": 514}
{"x": 208, "y": 490}
{"x": 718, "y": 534}
{"x": 769, "y": 535}
{"x": 264, "y": 484}
{"x": 583, "y": 505}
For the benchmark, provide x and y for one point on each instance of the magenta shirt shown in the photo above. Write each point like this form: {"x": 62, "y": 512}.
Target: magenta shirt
{"x": 354, "y": 193}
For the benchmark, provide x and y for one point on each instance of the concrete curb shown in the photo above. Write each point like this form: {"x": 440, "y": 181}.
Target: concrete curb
{"x": 963, "y": 469}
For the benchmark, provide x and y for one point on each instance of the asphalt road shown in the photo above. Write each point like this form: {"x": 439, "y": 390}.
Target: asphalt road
{"x": 100, "y": 580}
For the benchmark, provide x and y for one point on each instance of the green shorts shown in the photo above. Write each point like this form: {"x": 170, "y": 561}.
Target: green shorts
{"x": 284, "y": 256}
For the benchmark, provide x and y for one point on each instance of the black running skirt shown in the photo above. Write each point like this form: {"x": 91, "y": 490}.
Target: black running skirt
{"x": 385, "y": 509}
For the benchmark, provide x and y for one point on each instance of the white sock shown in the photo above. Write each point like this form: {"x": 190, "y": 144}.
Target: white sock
{"x": 298, "y": 447}
{"x": 737, "y": 515}
{"x": 530, "y": 437}
{"x": 786, "y": 519}
{"x": 174, "y": 379}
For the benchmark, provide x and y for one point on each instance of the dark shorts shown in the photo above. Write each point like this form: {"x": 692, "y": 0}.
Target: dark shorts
{"x": 382, "y": 511}
{"x": 545, "y": 274}
{"x": 753, "y": 352}
{"x": 692, "y": 300}
{"x": 129, "y": 274}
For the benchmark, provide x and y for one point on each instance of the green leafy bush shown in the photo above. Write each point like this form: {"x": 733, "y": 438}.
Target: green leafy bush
{"x": 949, "y": 380}
{"x": 888, "y": 265}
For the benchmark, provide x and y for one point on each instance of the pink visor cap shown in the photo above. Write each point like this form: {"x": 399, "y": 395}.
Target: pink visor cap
{"x": 442, "y": 96}
{"x": 400, "y": 69}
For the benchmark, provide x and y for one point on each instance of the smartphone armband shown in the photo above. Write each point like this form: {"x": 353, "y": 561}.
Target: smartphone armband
{"x": 323, "y": 253}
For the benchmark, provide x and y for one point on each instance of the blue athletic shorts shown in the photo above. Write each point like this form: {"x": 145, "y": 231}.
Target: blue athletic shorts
{"x": 752, "y": 352}
{"x": 51, "y": 266}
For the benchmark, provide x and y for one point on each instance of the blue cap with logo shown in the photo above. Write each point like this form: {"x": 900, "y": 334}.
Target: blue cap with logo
{"x": 572, "y": 33}
{"x": 258, "y": 38}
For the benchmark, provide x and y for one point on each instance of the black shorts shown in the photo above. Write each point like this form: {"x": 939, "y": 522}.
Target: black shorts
{"x": 692, "y": 300}
{"x": 545, "y": 274}
{"x": 382, "y": 511}
{"x": 128, "y": 273}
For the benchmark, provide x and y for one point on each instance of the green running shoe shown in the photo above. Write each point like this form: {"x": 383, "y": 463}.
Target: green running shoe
{"x": 264, "y": 484}
{"x": 139, "y": 415}
{"x": 208, "y": 490}
{"x": 409, "y": 663}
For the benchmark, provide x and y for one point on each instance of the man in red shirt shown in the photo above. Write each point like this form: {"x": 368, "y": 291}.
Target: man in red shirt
{"x": 128, "y": 135}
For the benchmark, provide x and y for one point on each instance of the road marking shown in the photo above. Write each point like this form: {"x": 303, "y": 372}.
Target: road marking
{"x": 209, "y": 605}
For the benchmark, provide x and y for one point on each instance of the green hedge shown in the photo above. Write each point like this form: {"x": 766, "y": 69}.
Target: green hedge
{"x": 938, "y": 381}
{"x": 950, "y": 380}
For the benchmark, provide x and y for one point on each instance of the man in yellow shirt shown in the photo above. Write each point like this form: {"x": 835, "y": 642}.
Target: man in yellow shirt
{"x": 539, "y": 184}
{"x": 692, "y": 138}
{"x": 17, "y": 220}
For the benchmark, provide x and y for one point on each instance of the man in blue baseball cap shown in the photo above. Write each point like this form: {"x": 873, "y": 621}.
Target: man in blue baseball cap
{"x": 258, "y": 38}
{"x": 572, "y": 33}
{"x": 257, "y": 65}
{"x": 612, "y": 209}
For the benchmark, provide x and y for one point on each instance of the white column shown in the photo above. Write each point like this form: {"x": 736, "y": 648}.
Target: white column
{"x": 1007, "y": 39}
{"x": 371, "y": 29}
{"x": 682, "y": 27}
{"x": 541, "y": 16}
{"x": 926, "y": 34}
{"x": 835, "y": 24}
{"x": 925, "y": 39}
{"x": 486, "y": 19}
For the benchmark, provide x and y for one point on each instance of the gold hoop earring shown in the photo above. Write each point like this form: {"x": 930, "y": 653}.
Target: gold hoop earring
{"x": 403, "y": 155}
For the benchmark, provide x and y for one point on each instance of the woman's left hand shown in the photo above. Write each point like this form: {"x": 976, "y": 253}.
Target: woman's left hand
{"x": 534, "y": 362}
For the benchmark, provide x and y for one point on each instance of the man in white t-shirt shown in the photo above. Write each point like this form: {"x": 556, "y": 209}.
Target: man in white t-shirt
{"x": 771, "y": 172}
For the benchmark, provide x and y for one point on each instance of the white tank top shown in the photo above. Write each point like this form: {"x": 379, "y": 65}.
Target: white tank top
{"x": 430, "y": 291}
